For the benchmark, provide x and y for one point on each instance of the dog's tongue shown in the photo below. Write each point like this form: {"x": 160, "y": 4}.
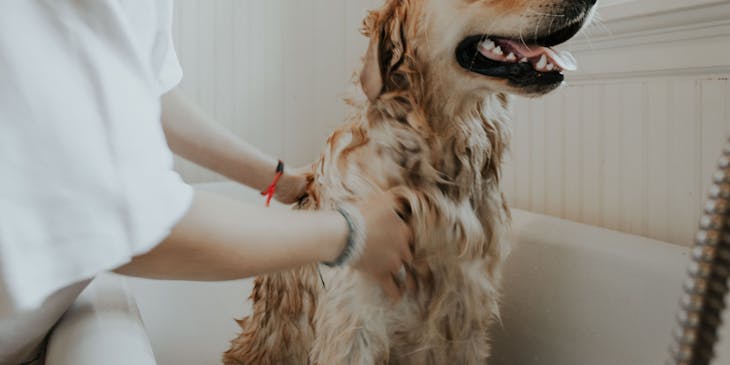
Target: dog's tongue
{"x": 563, "y": 59}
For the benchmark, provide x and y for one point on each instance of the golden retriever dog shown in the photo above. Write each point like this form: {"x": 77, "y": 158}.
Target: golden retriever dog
{"x": 433, "y": 130}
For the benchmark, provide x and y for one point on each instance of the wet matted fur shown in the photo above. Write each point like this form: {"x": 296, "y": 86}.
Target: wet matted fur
{"x": 435, "y": 134}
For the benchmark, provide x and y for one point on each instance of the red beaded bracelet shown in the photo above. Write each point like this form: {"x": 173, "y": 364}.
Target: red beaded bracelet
{"x": 271, "y": 190}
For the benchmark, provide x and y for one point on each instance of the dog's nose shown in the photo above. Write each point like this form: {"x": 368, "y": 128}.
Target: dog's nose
{"x": 590, "y": 2}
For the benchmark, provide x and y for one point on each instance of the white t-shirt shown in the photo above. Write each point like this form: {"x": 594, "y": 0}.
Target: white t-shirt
{"x": 86, "y": 178}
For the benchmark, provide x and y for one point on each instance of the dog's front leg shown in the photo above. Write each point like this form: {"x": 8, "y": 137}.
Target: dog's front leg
{"x": 279, "y": 331}
{"x": 351, "y": 323}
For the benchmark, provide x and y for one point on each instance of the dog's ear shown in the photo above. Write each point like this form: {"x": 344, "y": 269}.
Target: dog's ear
{"x": 371, "y": 76}
{"x": 386, "y": 49}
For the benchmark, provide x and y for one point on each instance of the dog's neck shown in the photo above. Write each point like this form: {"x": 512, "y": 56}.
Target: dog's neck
{"x": 467, "y": 137}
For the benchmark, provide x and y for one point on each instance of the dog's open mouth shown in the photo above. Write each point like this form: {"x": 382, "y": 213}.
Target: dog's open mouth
{"x": 523, "y": 63}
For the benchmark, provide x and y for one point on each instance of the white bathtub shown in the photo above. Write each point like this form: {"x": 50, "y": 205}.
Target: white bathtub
{"x": 573, "y": 295}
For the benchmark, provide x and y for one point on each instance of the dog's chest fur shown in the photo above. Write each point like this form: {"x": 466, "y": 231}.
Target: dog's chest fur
{"x": 447, "y": 170}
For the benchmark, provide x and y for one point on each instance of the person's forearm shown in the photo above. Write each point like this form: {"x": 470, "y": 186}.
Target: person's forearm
{"x": 221, "y": 239}
{"x": 196, "y": 137}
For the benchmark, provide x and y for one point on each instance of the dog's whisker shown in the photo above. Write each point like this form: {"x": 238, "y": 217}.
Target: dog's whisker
{"x": 522, "y": 38}
{"x": 598, "y": 21}
{"x": 545, "y": 14}
{"x": 550, "y": 26}
{"x": 587, "y": 37}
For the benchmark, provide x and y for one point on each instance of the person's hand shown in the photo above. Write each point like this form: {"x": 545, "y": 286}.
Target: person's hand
{"x": 388, "y": 243}
{"x": 293, "y": 185}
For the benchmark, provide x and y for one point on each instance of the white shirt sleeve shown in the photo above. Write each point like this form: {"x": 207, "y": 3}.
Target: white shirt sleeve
{"x": 86, "y": 176}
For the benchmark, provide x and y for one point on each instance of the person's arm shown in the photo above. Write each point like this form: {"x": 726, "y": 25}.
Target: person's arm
{"x": 222, "y": 239}
{"x": 196, "y": 137}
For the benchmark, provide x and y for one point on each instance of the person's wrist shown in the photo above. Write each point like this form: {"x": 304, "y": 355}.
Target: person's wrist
{"x": 270, "y": 191}
{"x": 287, "y": 180}
{"x": 292, "y": 185}
{"x": 267, "y": 172}
{"x": 355, "y": 241}
{"x": 339, "y": 230}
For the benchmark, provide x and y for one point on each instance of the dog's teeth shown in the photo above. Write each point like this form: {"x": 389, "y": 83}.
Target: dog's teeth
{"x": 498, "y": 51}
{"x": 488, "y": 44}
{"x": 541, "y": 63}
{"x": 550, "y": 67}
{"x": 523, "y": 60}
{"x": 511, "y": 57}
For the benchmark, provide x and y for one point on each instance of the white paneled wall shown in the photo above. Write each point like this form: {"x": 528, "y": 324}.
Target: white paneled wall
{"x": 631, "y": 143}
{"x": 633, "y": 155}
{"x": 273, "y": 71}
